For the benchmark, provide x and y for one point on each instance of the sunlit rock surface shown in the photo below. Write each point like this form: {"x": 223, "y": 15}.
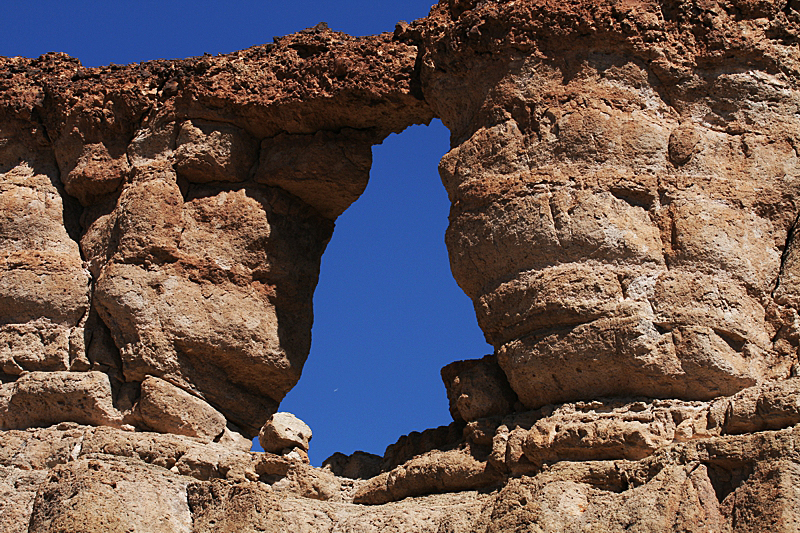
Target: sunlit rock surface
{"x": 623, "y": 178}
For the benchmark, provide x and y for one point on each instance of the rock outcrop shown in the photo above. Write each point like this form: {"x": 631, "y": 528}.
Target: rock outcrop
{"x": 622, "y": 186}
{"x": 167, "y": 219}
{"x": 623, "y": 176}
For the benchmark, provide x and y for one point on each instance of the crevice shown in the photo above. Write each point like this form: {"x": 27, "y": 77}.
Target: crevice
{"x": 727, "y": 476}
{"x": 790, "y": 235}
{"x": 642, "y": 199}
{"x": 734, "y": 341}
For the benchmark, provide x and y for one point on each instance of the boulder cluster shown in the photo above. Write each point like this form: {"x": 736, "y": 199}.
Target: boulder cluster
{"x": 624, "y": 179}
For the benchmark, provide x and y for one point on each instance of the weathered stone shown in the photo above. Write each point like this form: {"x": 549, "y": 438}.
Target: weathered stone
{"x": 327, "y": 171}
{"x": 90, "y": 170}
{"x": 623, "y": 181}
{"x": 772, "y": 406}
{"x": 602, "y": 228}
{"x": 420, "y": 442}
{"x": 17, "y": 491}
{"x": 225, "y": 304}
{"x": 436, "y": 471}
{"x": 111, "y": 494}
{"x": 767, "y": 500}
{"x": 44, "y": 289}
{"x": 358, "y": 465}
{"x": 282, "y": 431}
{"x": 477, "y": 388}
{"x": 165, "y": 408}
{"x": 218, "y": 506}
{"x": 208, "y": 151}
{"x": 601, "y": 430}
{"x": 678, "y": 498}
{"x": 46, "y": 398}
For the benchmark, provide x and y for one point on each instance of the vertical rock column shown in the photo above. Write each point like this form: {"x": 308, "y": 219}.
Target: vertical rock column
{"x": 205, "y": 277}
{"x": 44, "y": 287}
{"x": 623, "y": 181}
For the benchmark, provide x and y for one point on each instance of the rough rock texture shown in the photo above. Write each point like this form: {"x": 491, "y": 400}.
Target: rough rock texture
{"x": 623, "y": 181}
{"x": 477, "y": 389}
{"x": 202, "y": 194}
{"x": 284, "y": 430}
{"x": 358, "y": 465}
{"x": 45, "y": 398}
{"x": 165, "y": 408}
{"x": 85, "y": 478}
{"x": 623, "y": 177}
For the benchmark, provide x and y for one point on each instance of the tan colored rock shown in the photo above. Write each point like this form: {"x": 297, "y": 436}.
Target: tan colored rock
{"x": 767, "y": 500}
{"x": 46, "y": 398}
{"x": 477, "y": 388}
{"x": 208, "y": 151}
{"x": 17, "y": 491}
{"x": 205, "y": 286}
{"x": 598, "y": 430}
{"x": 222, "y": 303}
{"x": 114, "y": 495}
{"x": 219, "y": 506}
{"x": 217, "y": 461}
{"x": 166, "y": 408}
{"x": 623, "y": 179}
{"x": 327, "y": 171}
{"x": 614, "y": 240}
{"x": 678, "y": 498}
{"x": 44, "y": 289}
{"x": 282, "y": 431}
{"x": 233, "y": 438}
{"x": 437, "y": 471}
{"x": 772, "y": 406}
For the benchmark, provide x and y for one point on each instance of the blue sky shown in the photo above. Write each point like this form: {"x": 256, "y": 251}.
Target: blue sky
{"x": 388, "y": 314}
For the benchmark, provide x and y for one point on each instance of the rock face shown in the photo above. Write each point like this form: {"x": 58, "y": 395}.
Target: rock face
{"x": 622, "y": 193}
{"x": 623, "y": 178}
{"x": 155, "y": 238}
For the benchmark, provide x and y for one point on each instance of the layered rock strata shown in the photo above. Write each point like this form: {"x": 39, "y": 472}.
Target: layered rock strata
{"x": 623, "y": 183}
{"x": 623, "y": 178}
{"x": 166, "y": 220}
{"x": 658, "y": 465}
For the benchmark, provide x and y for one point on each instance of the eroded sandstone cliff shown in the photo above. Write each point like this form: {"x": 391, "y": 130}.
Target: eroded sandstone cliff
{"x": 623, "y": 178}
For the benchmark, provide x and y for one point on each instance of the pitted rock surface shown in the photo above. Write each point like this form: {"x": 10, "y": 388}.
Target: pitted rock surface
{"x": 622, "y": 186}
{"x": 623, "y": 178}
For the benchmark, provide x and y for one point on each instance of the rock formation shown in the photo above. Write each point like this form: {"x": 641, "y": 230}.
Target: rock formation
{"x": 623, "y": 179}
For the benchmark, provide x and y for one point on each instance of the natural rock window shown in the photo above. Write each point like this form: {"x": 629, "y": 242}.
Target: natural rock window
{"x": 622, "y": 178}
{"x": 387, "y": 313}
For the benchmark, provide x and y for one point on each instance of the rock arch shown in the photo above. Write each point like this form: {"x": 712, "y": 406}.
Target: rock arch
{"x": 623, "y": 178}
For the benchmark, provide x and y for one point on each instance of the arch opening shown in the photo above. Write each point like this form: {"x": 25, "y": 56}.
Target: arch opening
{"x": 388, "y": 314}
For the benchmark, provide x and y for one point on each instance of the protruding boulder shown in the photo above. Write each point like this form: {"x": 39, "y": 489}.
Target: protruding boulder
{"x": 46, "y": 398}
{"x": 328, "y": 171}
{"x": 477, "y": 388}
{"x": 284, "y": 431}
{"x": 166, "y": 408}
